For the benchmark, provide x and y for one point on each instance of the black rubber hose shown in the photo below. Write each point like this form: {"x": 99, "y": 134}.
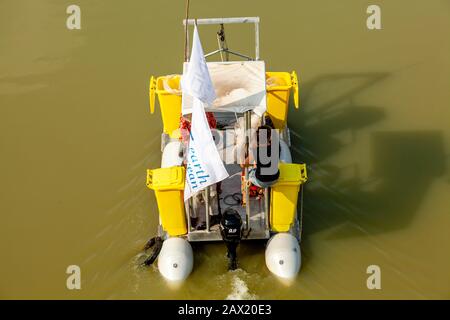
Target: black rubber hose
{"x": 235, "y": 196}
{"x": 150, "y": 243}
{"x": 157, "y": 242}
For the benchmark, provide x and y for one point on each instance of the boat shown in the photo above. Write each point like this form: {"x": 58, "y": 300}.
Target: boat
{"x": 233, "y": 210}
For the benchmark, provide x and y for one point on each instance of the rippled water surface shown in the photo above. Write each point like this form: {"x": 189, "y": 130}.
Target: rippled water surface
{"x": 76, "y": 138}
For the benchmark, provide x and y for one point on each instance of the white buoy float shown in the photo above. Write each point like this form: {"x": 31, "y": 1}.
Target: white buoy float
{"x": 283, "y": 256}
{"x": 176, "y": 259}
{"x": 171, "y": 155}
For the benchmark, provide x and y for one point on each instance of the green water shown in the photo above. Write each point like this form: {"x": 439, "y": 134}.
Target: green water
{"x": 76, "y": 138}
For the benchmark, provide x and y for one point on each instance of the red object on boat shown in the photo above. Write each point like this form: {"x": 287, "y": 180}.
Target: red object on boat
{"x": 185, "y": 128}
{"x": 185, "y": 125}
{"x": 211, "y": 120}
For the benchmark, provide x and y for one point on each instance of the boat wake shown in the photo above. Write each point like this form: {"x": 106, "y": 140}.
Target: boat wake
{"x": 240, "y": 290}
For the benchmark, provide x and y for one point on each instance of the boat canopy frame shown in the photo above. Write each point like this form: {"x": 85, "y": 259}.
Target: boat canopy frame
{"x": 222, "y": 21}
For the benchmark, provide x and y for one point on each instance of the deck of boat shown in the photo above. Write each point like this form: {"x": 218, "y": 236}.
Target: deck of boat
{"x": 258, "y": 226}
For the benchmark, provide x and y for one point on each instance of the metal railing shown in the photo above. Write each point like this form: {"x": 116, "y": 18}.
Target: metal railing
{"x": 254, "y": 20}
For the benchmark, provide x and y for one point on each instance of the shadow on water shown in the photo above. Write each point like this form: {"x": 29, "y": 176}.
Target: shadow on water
{"x": 403, "y": 163}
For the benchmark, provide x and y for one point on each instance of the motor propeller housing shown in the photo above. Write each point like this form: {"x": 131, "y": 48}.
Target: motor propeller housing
{"x": 231, "y": 231}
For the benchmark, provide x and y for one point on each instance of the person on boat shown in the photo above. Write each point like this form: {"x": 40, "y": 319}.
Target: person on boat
{"x": 264, "y": 172}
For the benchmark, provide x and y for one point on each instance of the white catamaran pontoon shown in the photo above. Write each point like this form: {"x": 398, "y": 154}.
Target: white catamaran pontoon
{"x": 248, "y": 98}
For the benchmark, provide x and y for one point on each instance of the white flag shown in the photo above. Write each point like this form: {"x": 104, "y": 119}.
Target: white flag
{"x": 204, "y": 165}
{"x": 196, "y": 81}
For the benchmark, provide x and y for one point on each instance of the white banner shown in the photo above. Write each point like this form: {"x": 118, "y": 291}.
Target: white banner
{"x": 196, "y": 80}
{"x": 204, "y": 165}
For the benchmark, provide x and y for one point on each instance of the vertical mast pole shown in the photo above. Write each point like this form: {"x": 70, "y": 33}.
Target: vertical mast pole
{"x": 247, "y": 122}
{"x": 186, "y": 34}
{"x": 257, "y": 40}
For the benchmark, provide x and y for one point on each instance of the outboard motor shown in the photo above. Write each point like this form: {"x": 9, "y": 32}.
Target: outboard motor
{"x": 231, "y": 231}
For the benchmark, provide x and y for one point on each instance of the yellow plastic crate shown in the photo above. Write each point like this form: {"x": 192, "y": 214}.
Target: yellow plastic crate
{"x": 169, "y": 95}
{"x": 168, "y": 184}
{"x": 284, "y": 196}
{"x": 278, "y": 87}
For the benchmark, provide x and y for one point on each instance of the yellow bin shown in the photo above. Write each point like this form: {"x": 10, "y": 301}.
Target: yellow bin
{"x": 169, "y": 95}
{"x": 284, "y": 196}
{"x": 168, "y": 184}
{"x": 278, "y": 87}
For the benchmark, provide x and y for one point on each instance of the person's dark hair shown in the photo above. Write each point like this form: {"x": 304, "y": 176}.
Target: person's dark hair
{"x": 268, "y": 121}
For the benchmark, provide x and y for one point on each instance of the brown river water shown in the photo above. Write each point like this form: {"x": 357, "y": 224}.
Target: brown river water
{"x": 76, "y": 138}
